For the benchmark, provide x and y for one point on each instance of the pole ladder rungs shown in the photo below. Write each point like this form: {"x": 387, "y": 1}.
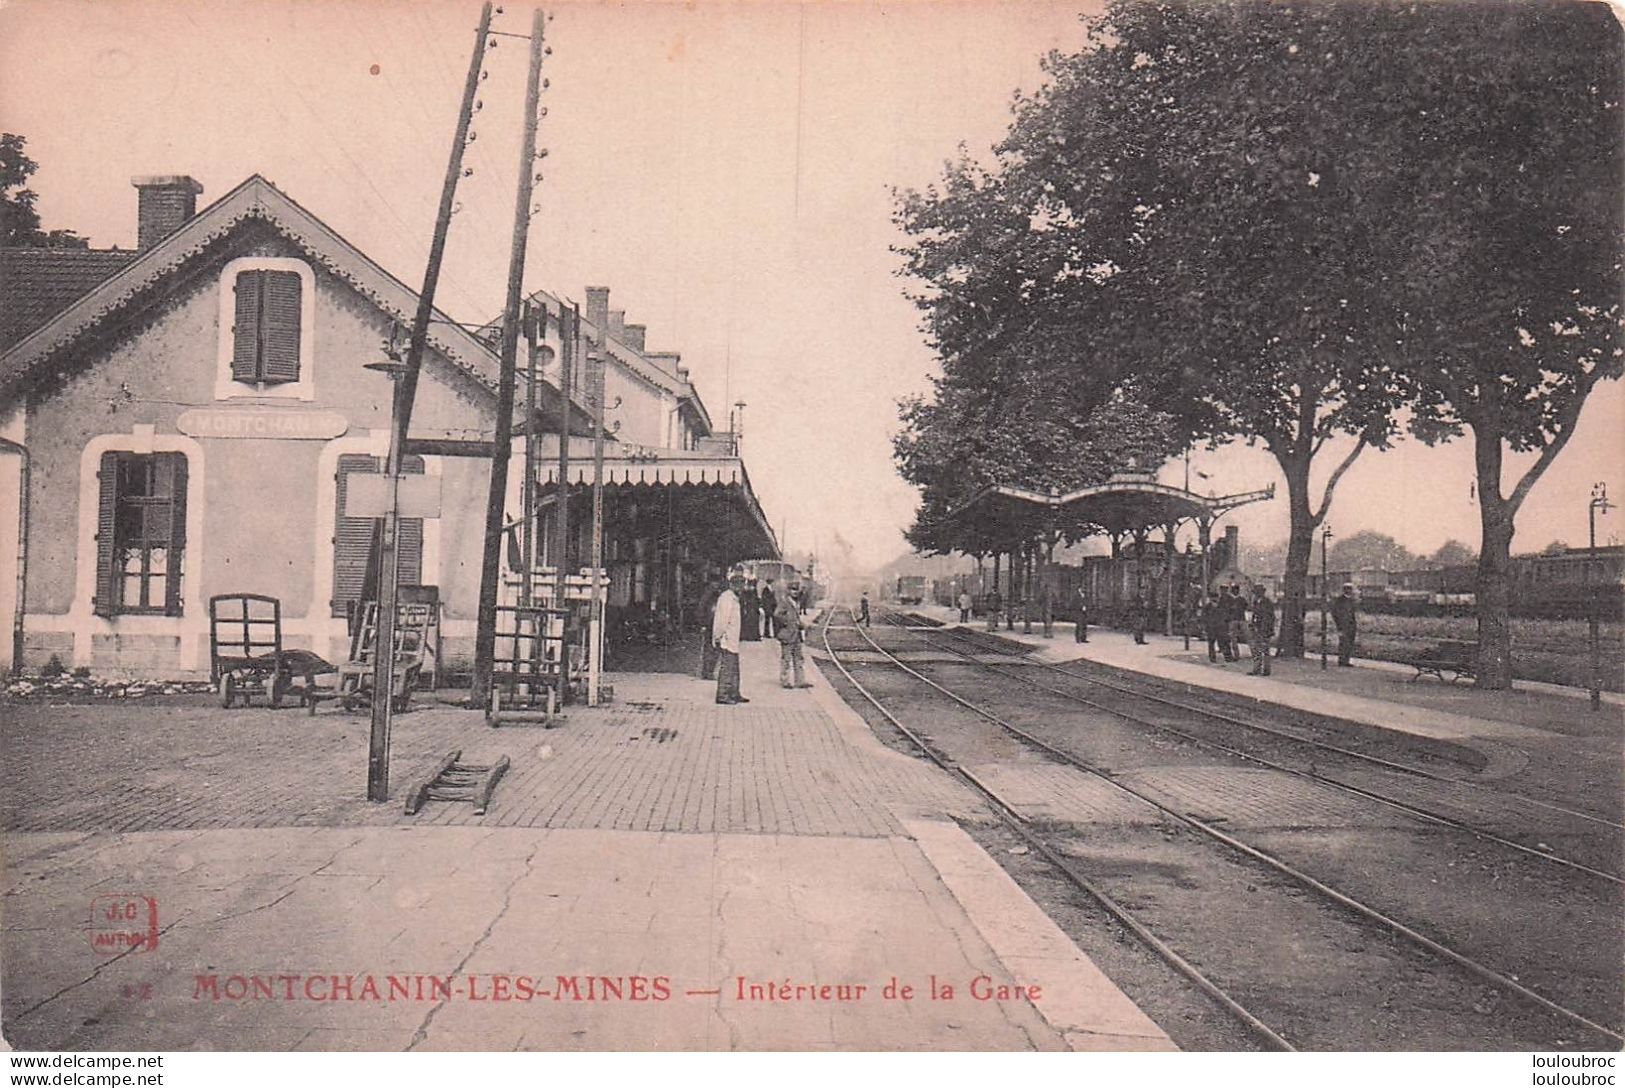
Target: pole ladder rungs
{"x": 454, "y": 781}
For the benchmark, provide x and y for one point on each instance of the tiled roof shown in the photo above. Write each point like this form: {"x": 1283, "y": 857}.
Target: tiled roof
{"x": 38, "y": 284}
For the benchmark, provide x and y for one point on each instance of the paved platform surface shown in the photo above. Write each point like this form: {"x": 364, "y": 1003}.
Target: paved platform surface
{"x": 659, "y": 874}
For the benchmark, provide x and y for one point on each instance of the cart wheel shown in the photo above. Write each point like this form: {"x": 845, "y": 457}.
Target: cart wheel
{"x": 276, "y": 689}
{"x": 227, "y": 689}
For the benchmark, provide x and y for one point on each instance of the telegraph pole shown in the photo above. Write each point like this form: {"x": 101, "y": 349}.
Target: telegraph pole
{"x": 403, "y": 393}
{"x": 485, "y": 632}
{"x": 595, "y": 622}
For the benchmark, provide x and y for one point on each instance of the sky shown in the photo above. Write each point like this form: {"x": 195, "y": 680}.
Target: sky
{"x": 727, "y": 169}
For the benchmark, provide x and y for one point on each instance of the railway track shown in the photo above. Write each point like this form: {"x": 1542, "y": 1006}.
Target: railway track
{"x": 1411, "y": 771}
{"x": 1241, "y": 996}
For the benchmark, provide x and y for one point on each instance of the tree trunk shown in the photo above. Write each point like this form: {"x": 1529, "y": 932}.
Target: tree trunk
{"x": 1494, "y": 587}
{"x": 1299, "y": 545}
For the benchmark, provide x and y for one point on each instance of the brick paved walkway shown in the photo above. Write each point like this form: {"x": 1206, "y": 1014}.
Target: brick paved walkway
{"x": 664, "y": 757}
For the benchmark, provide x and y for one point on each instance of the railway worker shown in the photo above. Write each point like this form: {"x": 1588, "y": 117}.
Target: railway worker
{"x": 1080, "y": 630}
{"x": 770, "y": 605}
{"x": 1233, "y": 614}
{"x": 1138, "y": 611}
{"x": 863, "y": 608}
{"x": 1260, "y": 629}
{"x": 725, "y": 623}
{"x": 708, "y": 646}
{"x": 993, "y": 604}
{"x": 964, "y": 606}
{"x": 1344, "y": 613}
{"x": 790, "y": 636}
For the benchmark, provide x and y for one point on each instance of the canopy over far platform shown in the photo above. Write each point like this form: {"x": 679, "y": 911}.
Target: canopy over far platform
{"x": 1131, "y": 501}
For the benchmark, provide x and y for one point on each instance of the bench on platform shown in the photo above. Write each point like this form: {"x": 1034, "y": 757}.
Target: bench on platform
{"x": 1459, "y": 659}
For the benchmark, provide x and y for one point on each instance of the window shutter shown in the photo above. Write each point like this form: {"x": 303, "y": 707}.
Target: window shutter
{"x": 106, "y": 531}
{"x": 176, "y": 465}
{"x": 279, "y": 345}
{"x": 409, "y": 542}
{"x": 245, "y": 333}
{"x": 352, "y": 538}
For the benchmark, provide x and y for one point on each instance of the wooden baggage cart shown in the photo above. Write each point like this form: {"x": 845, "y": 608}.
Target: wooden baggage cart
{"x": 414, "y": 623}
{"x": 246, "y": 655}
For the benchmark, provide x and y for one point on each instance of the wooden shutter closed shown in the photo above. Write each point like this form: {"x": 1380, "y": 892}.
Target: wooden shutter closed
{"x": 409, "y": 548}
{"x": 352, "y": 537}
{"x": 175, "y": 464}
{"x": 280, "y": 318}
{"x": 245, "y": 333}
{"x": 104, "y": 603}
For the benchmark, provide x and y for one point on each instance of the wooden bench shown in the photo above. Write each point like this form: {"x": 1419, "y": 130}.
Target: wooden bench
{"x": 1459, "y": 659}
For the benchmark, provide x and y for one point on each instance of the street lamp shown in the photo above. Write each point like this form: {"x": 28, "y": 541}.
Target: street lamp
{"x": 383, "y": 643}
{"x": 1599, "y": 502}
{"x": 1325, "y": 591}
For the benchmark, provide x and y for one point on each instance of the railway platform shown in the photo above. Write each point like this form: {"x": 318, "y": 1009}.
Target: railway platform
{"x": 662, "y": 873}
{"x": 1377, "y": 694}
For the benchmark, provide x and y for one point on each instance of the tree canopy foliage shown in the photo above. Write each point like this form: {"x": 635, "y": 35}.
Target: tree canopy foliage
{"x": 1287, "y": 222}
{"x": 19, "y": 222}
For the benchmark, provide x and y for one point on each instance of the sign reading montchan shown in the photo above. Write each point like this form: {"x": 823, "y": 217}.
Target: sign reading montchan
{"x": 261, "y": 423}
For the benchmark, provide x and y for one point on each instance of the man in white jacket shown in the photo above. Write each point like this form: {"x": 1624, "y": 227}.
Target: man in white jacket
{"x": 725, "y": 636}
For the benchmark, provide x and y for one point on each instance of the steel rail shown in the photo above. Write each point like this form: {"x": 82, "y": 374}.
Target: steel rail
{"x": 1018, "y": 823}
{"x": 1228, "y": 719}
{"x": 1488, "y": 974}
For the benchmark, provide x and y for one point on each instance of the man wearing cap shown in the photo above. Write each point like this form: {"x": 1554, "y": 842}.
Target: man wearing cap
{"x": 789, "y": 634}
{"x": 725, "y": 636}
{"x": 1343, "y": 615}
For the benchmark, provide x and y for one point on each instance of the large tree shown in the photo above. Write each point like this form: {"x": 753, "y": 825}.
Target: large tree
{"x": 19, "y": 222}
{"x": 1177, "y": 206}
{"x": 1510, "y": 261}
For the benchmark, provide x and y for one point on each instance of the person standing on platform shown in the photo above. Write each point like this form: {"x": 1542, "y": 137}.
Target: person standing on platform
{"x": 725, "y": 624}
{"x": 770, "y": 605}
{"x": 1139, "y": 610}
{"x": 708, "y": 646}
{"x": 1233, "y": 613}
{"x": 1080, "y": 631}
{"x": 1210, "y": 617}
{"x": 750, "y": 614}
{"x": 790, "y": 636}
{"x": 1260, "y": 629}
{"x": 1344, "y": 615}
{"x": 994, "y": 603}
{"x": 964, "y": 606}
{"x": 863, "y": 608}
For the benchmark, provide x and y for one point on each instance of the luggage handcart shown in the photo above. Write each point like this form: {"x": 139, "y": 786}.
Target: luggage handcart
{"x": 412, "y": 627}
{"x": 246, "y": 656}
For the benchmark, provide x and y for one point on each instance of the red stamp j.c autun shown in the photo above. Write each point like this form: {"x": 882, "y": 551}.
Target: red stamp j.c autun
{"x": 123, "y": 923}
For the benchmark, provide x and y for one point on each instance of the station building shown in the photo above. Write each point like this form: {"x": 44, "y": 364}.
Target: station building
{"x": 181, "y": 420}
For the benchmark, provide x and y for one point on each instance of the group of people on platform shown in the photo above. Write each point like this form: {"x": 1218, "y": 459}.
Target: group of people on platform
{"x": 738, "y": 613}
{"x": 1225, "y": 620}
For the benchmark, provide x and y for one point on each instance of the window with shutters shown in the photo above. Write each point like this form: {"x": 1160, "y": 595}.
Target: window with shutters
{"x": 353, "y": 538}
{"x": 141, "y": 533}
{"x": 265, "y": 334}
{"x": 266, "y": 313}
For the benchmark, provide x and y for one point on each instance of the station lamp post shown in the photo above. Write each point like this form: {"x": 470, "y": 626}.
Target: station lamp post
{"x": 1599, "y": 502}
{"x": 1325, "y": 591}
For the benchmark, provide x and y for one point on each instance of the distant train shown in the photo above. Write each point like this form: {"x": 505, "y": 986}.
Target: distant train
{"x": 911, "y": 589}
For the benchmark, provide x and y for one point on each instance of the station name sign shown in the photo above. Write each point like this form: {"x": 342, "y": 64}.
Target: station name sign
{"x": 261, "y": 423}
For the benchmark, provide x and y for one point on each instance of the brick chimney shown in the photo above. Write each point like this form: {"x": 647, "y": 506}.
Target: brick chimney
{"x": 671, "y": 361}
{"x": 165, "y": 202}
{"x": 617, "y": 325}
{"x": 598, "y": 308}
{"x": 634, "y": 337}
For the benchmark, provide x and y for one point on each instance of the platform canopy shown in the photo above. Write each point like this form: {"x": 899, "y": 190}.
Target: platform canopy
{"x": 1131, "y": 501}
{"x": 699, "y": 497}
